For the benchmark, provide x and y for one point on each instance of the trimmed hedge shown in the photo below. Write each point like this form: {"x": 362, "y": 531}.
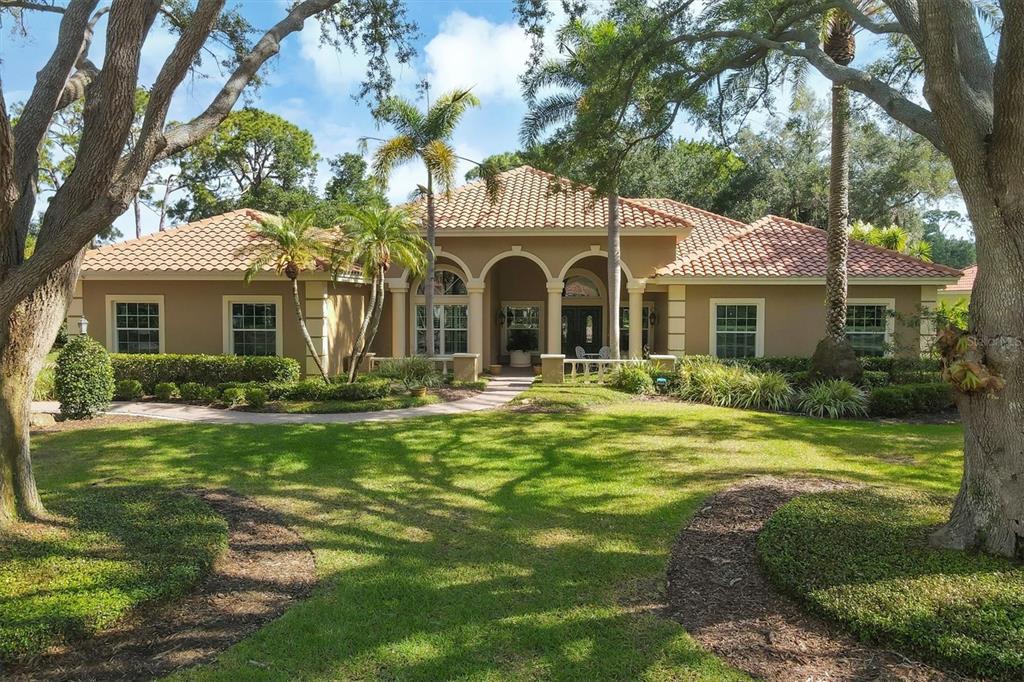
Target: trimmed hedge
{"x": 167, "y": 390}
{"x": 128, "y": 389}
{"x": 316, "y": 389}
{"x": 84, "y": 382}
{"x": 903, "y": 399}
{"x": 208, "y": 370}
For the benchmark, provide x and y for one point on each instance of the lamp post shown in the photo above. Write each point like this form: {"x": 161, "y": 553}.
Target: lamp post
{"x": 83, "y": 325}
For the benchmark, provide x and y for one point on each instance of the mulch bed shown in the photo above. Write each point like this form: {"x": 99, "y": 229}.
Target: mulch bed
{"x": 266, "y": 568}
{"x": 102, "y": 421}
{"x": 718, "y": 592}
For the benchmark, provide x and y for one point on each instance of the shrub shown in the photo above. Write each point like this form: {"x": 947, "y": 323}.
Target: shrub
{"x": 209, "y": 394}
{"x": 411, "y": 371}
{"x": 716, "y": 384}
{"x": 766, "y": 391}
{"x": 370, "y": 389}
{"x": 233, "y": 397}
{"x": 208, "y": 370}
{"x": 128, "y": 389}
{"x": 190, "y": 390}
{"x": 84, "y": 381}
{"x": 833, "y": 399}
{"x": 783, "y": 364}
{"x": 904, "y": 399}
{"x": 633, "y": 379}
{"x": 873, "y": 378}
{"x": 166, "y": 390}
{"x": 256, "y": 397}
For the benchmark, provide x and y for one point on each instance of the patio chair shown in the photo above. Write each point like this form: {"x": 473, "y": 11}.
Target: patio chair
{"x": 605, "y": 353}
{"x": 581, "y": 353}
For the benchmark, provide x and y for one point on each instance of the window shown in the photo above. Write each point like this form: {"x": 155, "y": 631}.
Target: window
{"x": 522, "y": 328}
{"x": 254, "y": 328}
{"x": 737, "y": 328}
{"x": 579, "y": 286}
{"x": 624, "y": 328}
{"x": 867, "y": 327}
{"x": 136, "y": 327}
{"x": 451, "y": 329}
{"x": 446, "y": 283}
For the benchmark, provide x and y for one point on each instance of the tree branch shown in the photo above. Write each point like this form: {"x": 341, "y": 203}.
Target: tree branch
{"x": 864, "y": 21}
{"x": 32, "y": 6}
{"x": 182, "y": 136}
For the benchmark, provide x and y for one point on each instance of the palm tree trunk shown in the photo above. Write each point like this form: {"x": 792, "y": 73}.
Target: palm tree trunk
{"x": 375, "y": 314}
{"x": 614, "y": 274}
{"x": 428, "y": 290}
{"x": 137, "y": 205}
{"x": 355, "y": 358}
{"x": 305, "y": 329}
{"x": 838, "y": 218}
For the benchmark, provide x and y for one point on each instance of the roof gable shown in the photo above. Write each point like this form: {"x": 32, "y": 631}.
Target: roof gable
{"x": 965, "y": 283}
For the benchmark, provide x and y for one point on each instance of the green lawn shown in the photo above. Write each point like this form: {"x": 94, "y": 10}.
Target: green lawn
{"x": 493, "y": 546}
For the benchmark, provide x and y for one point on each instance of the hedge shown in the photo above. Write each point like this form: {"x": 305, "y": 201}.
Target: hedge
{"x": 208, "y": 370}
{"x": 315, "y": 389}
{"x": 84, "y": 383}
{"x": 903, "y": 399}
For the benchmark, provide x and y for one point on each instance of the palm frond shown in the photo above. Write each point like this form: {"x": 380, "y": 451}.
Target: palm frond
{"x": 444, "y": 114}
{"x": 402, "y": 114}
{"x": 546, "y": 113}
{"x": 393, "y": 153}
{"x": 441, "y": 162}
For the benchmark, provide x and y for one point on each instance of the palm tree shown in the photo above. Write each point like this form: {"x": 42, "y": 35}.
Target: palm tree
{"x": 377, "y": 237}
{"x": 834, "y": 356}
{"x": 426, "y": 136}
{"x": 291, "y": 245}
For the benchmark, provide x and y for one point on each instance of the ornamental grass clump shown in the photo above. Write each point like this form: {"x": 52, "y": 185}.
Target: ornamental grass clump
{"x": 716, "y": 384}
{"x": 833, "y": 399}
{"x": 632, "y": 378}
{"x": 766, "y": 391}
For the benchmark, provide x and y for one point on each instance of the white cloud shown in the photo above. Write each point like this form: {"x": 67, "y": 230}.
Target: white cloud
{"x": 474, "y": 52}
{"x": 342, "y": 69}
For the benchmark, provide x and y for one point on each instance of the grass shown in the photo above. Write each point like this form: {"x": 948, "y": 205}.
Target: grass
{"x": 44, "y": 388}
{"x": 862, "y": 558}
{"x": 114, "y": 548}
{"x": 493, "y": 545}
{"x": 393, "y": 402}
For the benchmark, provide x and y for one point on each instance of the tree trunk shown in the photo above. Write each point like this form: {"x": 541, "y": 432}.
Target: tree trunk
{"x": 614, "y": 275}
{"x": 137, "y": 205}
{"x": 305, "y": 330}
{"x": 428, "y": 289}
{"x": 838, "y": 218}
{"x": 25, "y": 339}
{"x": 358, "y": 348}
{"x": 375, "y": 313}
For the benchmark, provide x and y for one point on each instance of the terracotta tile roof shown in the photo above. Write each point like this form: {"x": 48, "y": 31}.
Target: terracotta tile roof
{"x": 965, "y": 283}
{"x": 222, "y": 243}
{"x": 774, "y": 247}
{"x": 709, "y": 229}
{"x": 527, "y": 202}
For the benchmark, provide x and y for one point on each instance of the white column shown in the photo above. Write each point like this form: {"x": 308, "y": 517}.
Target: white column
{"x": 636, "y": 322}
{"x": 475, "y": 289}
{"x": 399, "y": 324}
{"x": 677, "y": 319}
{"x": 555, "y": 287}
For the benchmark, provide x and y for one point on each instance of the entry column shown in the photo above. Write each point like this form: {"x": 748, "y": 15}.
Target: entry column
{"x": 399, "y": 325}
{"x": 555, "y": 287}
{"x": 636, "y": 313}
{"x": 475, "y": 289}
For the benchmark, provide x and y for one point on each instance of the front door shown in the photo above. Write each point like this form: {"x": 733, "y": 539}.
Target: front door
{"x": 581, "y": 326}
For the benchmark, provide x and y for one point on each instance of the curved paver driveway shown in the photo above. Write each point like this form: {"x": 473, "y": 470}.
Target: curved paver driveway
{"x": 500, "y": 390}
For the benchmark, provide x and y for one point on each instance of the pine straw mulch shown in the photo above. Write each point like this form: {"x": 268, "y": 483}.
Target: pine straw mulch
{"x": 717, "y": 591}
{"x": 266, "y": 568}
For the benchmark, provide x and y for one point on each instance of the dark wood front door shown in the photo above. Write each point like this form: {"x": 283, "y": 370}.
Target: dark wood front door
{"x": 581, "y": 326}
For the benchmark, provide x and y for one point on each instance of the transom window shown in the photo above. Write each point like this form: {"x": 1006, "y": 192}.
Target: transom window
{"x": 735, "y": 330}
{"x": 137, "y": 327}
{"x": 867, "y": 326}
{"x": 580, "y": 286}
{"x": 451, "y": 329}
{"x": 254, "y": 328}
{"x": 446, "y": 283}
{"x": 522, "y": 328}
{"x": 624, "y": 328}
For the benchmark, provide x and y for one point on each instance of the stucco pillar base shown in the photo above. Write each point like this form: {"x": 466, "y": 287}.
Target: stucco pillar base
{"x": 554, "y": 345}
{"x": 464, "y": 366}
{"x": 552, "y": 368}
{"x": 367, "y": 363}
{"x": 663, "y": 363}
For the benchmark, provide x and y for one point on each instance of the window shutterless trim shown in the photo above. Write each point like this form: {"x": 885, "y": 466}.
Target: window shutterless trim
{"x": 228, "y": 329}
{"x": 890, "y": 321}
{"x": 111, "y": 300}
{"x": 713, "y": 323}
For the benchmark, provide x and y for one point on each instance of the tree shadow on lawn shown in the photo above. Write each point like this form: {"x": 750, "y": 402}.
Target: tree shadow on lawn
{"x": 485, "y": 544}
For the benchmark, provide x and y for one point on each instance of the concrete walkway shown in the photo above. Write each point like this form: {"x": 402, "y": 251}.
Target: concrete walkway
{"x": 500, "y": 391}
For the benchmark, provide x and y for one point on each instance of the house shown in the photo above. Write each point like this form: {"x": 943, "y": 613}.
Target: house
{"x": 529, "y": 268}
{"x": 961, "y": 289}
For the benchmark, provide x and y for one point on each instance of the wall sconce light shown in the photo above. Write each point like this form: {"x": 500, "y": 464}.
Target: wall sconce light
{"x": 652, "y": 319}
{"x": 83, "y": 325}
{"x": 499, "y": 319}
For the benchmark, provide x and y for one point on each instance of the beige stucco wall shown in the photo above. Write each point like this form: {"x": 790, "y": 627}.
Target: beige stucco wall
{"x": 795, "y": 315}
{"x": 193, "y": 314}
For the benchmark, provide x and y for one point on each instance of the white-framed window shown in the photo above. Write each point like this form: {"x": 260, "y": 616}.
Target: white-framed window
{"x": 624, "y": 328}
{"x": 135, "y": 323}
{"x": 451, "y": 328}
{"x": 870, "y": 324}
{"x": 737, "y": 327}
{"x": 451, "y": 314}
{"x": 522, "y": 327}
{"x": 252, "y": 325}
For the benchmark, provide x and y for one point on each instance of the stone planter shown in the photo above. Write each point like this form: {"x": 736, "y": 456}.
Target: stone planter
{"x": 495, "y": 370}
{"x": 519, "y": 358}
{"x": 418, "y": 392}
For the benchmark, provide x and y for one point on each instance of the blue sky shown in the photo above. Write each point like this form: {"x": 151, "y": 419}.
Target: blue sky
{"x": 462, "y": 44}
